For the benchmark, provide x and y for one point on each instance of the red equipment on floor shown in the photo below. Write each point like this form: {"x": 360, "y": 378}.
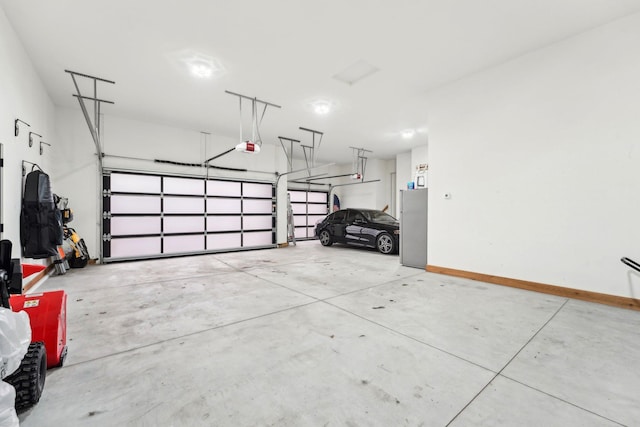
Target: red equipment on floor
{"x": 48, "y": 315}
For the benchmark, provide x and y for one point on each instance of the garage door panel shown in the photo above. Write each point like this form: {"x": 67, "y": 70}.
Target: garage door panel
{"x": 301, "y": 232}
{"x": 316, "y": 197}
{"x": 130, "y": 183}
{"x": 261, "y": 222}
{"x": 257, "y": 238}
{"x": 183, "y": 205}
{"x": 257, "y": 206}
{"x": 189, "y": 186}
{"x": 250, "y": 189}
{"x": 183, "y": 244}
{"x": 223, "y": 188}
{"x": 317, "y": 209}
{"x": 299, "y": 208}
{"x": 129, "y": 204}
{"x": 183, "y": 224}
{"x": 217, "y": 206}
{"x": 224, "y": 241}
{"x": 298, "y": 196}
{"x": 124, "y": 226}
{"x": 135, "y": 247}
{"x": 224, "y": 223}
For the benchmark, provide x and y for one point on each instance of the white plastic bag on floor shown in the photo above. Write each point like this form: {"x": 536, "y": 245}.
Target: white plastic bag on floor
{"x": 15, "y": 337}
{"x": 8, "y": 416}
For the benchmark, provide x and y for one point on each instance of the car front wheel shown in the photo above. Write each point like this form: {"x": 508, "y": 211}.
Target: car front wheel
{"x": 385, "y": 244}
{"x": 325, "y": 238}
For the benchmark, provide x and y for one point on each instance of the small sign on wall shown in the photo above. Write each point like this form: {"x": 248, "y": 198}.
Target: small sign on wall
{"x": 421, "y": 175}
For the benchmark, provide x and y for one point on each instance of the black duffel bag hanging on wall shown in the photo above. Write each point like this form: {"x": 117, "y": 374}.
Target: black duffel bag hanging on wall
{"x": 40, "y": 221}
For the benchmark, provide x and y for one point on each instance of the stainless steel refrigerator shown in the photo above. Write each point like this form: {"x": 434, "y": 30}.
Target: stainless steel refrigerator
{"x": 413, "y": 228}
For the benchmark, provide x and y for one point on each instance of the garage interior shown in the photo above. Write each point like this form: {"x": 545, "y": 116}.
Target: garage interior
{"x": 205, "y": 305}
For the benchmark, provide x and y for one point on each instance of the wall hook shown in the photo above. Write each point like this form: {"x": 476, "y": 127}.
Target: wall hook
{"x": 41, "y": 149}
{"x": 16, "y": 127}
{"x": 31, "y": 137}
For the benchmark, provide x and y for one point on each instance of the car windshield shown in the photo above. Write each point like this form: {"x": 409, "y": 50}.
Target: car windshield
{"x": 378, "y": 216}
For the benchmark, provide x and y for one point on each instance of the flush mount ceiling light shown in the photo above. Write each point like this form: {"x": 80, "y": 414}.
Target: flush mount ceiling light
{"x": 408, "y": 133}
{"x": 356, "y": 72}
{"x": 204, "y": 67}
{"x": 321, "y": 107}
{"x": 202, "y": 70}
{"x": 198, "y": 64}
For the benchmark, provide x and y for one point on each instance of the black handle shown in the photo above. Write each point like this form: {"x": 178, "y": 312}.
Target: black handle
{"x": 631, "y": 263}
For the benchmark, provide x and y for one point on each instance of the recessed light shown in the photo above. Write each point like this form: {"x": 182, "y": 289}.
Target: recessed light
{"x": 322, "y": 106}
{"x": 199, "y": 65}
{"x": 408, "y": 133}
{"x": 201, "y": 69}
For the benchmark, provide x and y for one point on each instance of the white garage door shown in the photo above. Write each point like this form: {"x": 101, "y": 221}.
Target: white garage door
{"x": 308, "y": 208}
{"x": 150, "y": 216}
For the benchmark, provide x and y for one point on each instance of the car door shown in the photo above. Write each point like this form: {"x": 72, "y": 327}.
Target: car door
{"x": 337, "y": 226}
{"x": 353, "y": 229}
{"x": 369, "y": 231}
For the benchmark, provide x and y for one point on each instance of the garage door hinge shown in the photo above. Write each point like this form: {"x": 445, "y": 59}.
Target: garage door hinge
{"x": 106, "y": 237}
{"x": 106, "y": 193}
{"x": 106, "y": 215}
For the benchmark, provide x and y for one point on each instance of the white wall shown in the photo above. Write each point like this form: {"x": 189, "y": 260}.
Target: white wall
{"x": 24, "y": 97}
{"x": 542, "y": 158}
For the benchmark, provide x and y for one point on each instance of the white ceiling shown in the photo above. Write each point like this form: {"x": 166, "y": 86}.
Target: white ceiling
{"x": 286, "y": 52}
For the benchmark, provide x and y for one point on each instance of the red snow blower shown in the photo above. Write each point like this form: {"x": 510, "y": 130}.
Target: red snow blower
{"x": 48, "y": 317}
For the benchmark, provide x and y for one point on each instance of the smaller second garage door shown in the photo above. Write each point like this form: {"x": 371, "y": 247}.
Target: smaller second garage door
{"x": 308, "y": 208}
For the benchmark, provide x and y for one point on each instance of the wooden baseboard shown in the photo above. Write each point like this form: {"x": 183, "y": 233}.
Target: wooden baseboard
{"x": 614, "y": 300}
{"x": 283, "y": 245}
{"x": 36, "y": 278}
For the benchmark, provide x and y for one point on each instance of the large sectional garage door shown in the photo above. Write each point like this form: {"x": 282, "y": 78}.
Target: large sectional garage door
{"x": 308, "y": 208}
{"x": 150, "y": 216}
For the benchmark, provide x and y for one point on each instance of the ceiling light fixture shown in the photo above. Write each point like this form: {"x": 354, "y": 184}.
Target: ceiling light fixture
{"x": 201, "y": 70}
{"x": 408, "y": 133}
{"x": 322, "y": 108}
{"x": 198, "y": 64}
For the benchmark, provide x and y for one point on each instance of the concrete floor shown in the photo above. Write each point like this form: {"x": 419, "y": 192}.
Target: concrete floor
{"x": 315, "y": 336}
